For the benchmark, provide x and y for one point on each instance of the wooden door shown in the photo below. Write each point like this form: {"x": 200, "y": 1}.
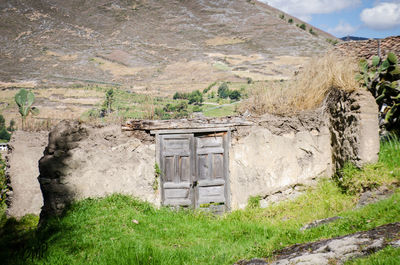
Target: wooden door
{"x": 194, "y": 170}
{"x": 211, "y": 171}
{"x": 177, "y": 165}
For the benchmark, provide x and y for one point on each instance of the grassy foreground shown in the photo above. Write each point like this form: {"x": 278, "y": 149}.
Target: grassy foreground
{"x": 123, "y": 230}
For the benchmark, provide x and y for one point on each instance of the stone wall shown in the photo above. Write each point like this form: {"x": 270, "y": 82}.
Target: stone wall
{"x": 354, "y": 127}
{"x": 26, "y": 148}
{"x": 369, "y": 48}
{"x": 83, "y": 161}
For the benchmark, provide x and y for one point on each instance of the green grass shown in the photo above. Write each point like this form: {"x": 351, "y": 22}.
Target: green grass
{"x": 104, "y": 231}
{"x": 387, "y": 256}
{"x": 354, "y": 180}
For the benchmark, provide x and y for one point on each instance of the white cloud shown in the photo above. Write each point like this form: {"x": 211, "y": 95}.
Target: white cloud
{"x": 382, "y": 16}
{"x": 343, "y": 29}
{"x": 303, "y": 9}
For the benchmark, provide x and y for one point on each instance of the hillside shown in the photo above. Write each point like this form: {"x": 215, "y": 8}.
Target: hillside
{"x": 149, "y": 45}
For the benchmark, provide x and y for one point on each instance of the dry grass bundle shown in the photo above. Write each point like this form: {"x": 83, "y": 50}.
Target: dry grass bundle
{"x": 308, "y": 89}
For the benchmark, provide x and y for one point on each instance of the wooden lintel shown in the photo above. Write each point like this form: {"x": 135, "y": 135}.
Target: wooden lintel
{"x": 201, "y": 130}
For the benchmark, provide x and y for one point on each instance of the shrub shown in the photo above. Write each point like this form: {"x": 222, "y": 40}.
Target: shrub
{"x": 290, "y": 20}
{"x": 235, "y": 95}
{"x": 303, "y": 26}
{"x": 223, "y": 90}
{"x": 312, "y": 32}
{"x": 196, "y": 97}
{"x": 181, "y": 95}
{"x": 308, "y": 89}
{"x": 4, "y": 134}
{"x": 282, "y": 16}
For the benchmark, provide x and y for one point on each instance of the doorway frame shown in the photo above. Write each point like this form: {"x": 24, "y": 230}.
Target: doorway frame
{"x": 226, "y": 146}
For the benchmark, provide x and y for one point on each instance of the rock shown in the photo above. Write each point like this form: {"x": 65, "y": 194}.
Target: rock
{"x": 337, "y": 250}
{"x": 320, "y": 222}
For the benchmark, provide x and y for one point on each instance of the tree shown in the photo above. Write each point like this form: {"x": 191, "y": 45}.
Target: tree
{"x": 223, "y": 90}
{"x": 109, "y": 100}
{"x": 196, "y": 97}
{"x": 2, "y": 121}
{"x": 24, "y": 99}
{"x": 11, "y": 128}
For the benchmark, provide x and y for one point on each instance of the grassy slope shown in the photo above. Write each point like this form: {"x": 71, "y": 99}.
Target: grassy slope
{"x": 103, "y": 231}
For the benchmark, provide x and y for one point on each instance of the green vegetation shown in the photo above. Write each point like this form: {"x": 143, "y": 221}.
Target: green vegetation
{"x": 282, "y": 16}
{"x": 3, "y": 190}
{"x": 312, "y": 32}
{"x": 387, "y": 256}
{"x": 107, "y": 105}
{"x": 4, "y": 134}
{"x": 24, "y": 99}
{"x": 123, "y": 230}
{"x": 333, "y": 42}
{"x": 302, "y": 26}
{"x": 225, "y": 92}
{"x": 382, "y": 79}
{"x": 290, "y": 21}
{"x": 353, "y": 180}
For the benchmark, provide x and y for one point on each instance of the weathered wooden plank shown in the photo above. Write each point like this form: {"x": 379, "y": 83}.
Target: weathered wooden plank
{"x": 210, "y": 150}
{"x": 210, "y": 182}
{"x": 176, "y": 193}
{"x": 173, "y": 185}
{"x": 186, "y": 123}
{"x": 178, "y": 202}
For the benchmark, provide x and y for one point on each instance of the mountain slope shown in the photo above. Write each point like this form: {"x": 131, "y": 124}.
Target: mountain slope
{"x": 148, "y": 43}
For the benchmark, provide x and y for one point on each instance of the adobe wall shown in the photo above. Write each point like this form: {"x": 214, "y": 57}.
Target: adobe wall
{"x": 24, "y": 195}
{"x": 278, "y": 154}
{"x": 83, "y": 161}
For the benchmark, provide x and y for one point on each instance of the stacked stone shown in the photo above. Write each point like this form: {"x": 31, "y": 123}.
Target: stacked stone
{"x": 368, "y": 48}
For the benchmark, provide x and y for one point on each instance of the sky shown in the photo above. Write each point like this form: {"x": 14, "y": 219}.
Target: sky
{"x": 369, "y": 18}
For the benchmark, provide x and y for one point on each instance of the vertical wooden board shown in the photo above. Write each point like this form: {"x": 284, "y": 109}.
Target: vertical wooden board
{"x": 218, "y": 166}
{"x": 202, "y": 167}
{"x": 184, "y": 168}
{"x": 169, "y": 168}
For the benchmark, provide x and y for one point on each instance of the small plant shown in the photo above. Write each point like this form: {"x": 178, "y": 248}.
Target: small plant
{"x": 24, "y": 99}
{"x": 333, "y": 42}
{"x": 107, "y": 105}
{"x": 312, "y": 32}
{"x": 157, "y": 175}
{"x": 303, "y": 26}
{"x": 254, "y": 202}
{"x": 282, "y": 16}
{"x": 382, "y": 79}
{"x": 290, "y": 21}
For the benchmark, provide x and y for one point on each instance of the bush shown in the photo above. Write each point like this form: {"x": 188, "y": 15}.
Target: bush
{"x": 196, "y": 97}
{"x": 235, "y": 95}
{"x": 4, "y": 134}
{"x": 303, "y": 26}
{"x": 290, "y": 20}
{"x": 181, "y": 95}
{"x": 223, "y": 90}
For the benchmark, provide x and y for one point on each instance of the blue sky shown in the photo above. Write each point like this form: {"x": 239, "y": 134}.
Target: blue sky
{"x": 370, "y": 18}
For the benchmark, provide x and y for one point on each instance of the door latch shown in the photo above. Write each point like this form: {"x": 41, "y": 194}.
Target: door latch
{"x": 194, "y": 184}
